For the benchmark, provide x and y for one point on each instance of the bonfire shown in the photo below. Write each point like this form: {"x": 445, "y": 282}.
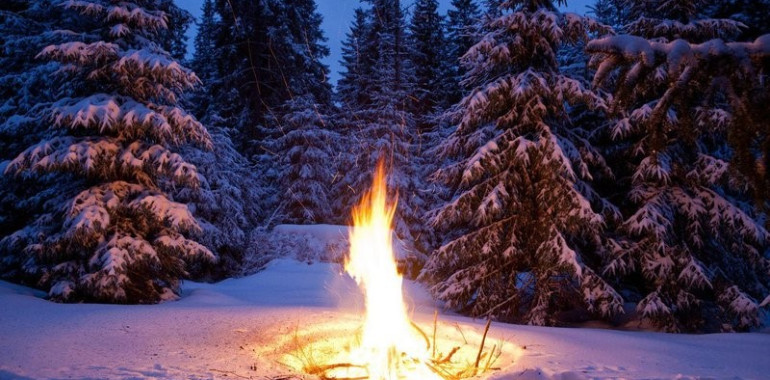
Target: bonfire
{"x": 389, "y": 346}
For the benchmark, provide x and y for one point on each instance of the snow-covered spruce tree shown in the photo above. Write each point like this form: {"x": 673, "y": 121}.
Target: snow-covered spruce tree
{"x": 426, "y": 33}
{"x": 25, "y": 29}
{"x": 462, "y": 23}
{"x": 268, "y": 51}
{"x": 522, "y": 236}
{"x": 204, "y": 60}
{"x": 437, "y": 86}
{"x": 227, "y": 205}
{"x": 390, "y": 127}
{"x": 305, "y": 163}
{"x": 297, "y": 46}
{"x": 248, "y": 84}
{"x": 121, "y": 239}
{"x": 355, "y": 83}
{"x": 262, "y": 55}
{"x": 237, "y": 93}
{"x": 173, "y": 38}
{"x": 463, "y": 18}
{"x": 685, "y": 123}
{"x": 354, "y": 90}
{"x": 494, "y": 8}
{"x": 587, "y": 122}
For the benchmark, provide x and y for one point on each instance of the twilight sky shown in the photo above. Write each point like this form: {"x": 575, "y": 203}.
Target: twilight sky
{"x": 338, "y": 15}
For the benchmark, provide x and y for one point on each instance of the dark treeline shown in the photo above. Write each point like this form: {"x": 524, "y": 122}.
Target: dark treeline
{"x": 550, "y": 167}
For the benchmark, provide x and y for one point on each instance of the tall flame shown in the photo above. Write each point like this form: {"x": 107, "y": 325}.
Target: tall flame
{"x": 390, "y": 347}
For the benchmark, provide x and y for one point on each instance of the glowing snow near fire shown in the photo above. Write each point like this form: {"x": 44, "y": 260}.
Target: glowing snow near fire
{"x": 390, "y": 346}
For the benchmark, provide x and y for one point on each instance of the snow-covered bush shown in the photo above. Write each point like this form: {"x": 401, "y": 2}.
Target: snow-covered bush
{"x": 120, "y": 237}
{"x": 521, "y": 230}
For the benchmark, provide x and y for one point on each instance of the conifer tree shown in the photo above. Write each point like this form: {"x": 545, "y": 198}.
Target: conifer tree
{"x": 462, "y": 20}
{"x": 610, "y": 12}
{"x": 25, "y": 28}
{"x": 297, "y": 47}
{"x": 204, "y": 59}
{"x": 173, "y": 38}
{"x": 523, "y": 238}
{"x": 305, "y": 163}
{"x": 233, "y": 199}
{"x": 121, "y": 238}
{"x": 428, "y": 44}
{"x": 390, "y": 128}
{"x": 248, "y": 85}
{"x": 494, "y": 8}
{"x": 269, "y": 51}
{"x": 667, "y": 20}
{"x": 205, "y": 49}
{"x": 683, "y": 106}
{"x": 354, "y": 84}
{"x": 354, "y": 92}
{"x": 228, "y": 204}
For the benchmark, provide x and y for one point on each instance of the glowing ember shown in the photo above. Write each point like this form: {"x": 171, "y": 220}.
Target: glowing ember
{"x": 390, "y": 347}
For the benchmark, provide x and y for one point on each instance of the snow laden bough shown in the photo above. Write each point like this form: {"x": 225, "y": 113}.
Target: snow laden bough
{"x": 389, "y": 345}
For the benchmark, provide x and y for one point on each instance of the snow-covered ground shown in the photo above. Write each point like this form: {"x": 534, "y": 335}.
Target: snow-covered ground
{"x": 244, "y": 328}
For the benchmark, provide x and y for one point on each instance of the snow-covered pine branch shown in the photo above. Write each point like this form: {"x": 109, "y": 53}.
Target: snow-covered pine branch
{"x": 107, "y": 114}
{"x": 146, "y": 73}
{"x": 106, "y": 158}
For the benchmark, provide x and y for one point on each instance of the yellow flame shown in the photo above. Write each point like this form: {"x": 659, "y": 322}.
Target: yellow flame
{"x": 390, "y": 347}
